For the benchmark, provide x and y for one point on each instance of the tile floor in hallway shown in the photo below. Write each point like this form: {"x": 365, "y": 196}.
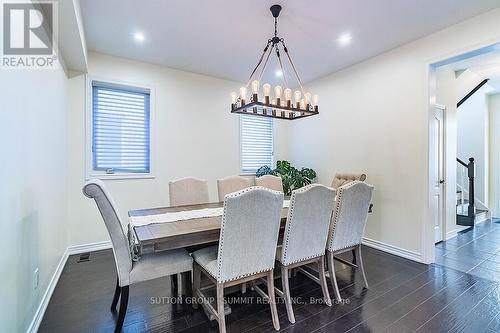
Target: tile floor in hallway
{"x": 475, "y": 251}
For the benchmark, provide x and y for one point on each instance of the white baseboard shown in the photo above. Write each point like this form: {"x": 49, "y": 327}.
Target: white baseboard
{"x": 415, "y": 256}
{"x": 40, "y": 311}
{"x": 454, "y": 232}
{"x": 82, "y": 248}
{"x": 77, "y": 249}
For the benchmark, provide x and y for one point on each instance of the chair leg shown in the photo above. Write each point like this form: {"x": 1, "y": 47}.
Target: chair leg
{"x": 220, "y": 308}
{"x": 322, "y": 280}
{"x": 196, "y": 284}
{"x": 272, "y": 300}
{"x": 286, "y": 294}
{"x": 360, "y": 265}
{"x": 188, "y": 284}
{"x": 333, "y": 279}
{"x": 123, "y": 309}
{"x": 117, "y": 295}
{"x": 180, "y": 285}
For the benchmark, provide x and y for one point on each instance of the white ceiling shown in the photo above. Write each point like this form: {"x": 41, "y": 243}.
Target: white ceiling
{"x": 225, "y": 38}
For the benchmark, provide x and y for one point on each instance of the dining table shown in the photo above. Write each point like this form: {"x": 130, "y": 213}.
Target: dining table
{"x": 187, "y": 233}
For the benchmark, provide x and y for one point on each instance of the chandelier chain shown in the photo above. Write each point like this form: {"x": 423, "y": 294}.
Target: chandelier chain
{"x": 265, "y": 63}
{"x": 293, "y": 67}
{"x": 281, "y": 66}
{"x": 258, "y": 63}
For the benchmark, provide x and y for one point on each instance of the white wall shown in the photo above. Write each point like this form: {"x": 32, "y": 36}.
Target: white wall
{"x": 374, "y": 118}
{"x": 494, "y": 114}
{"x": 33, "y": 192}
{"x": 195, "y": 135}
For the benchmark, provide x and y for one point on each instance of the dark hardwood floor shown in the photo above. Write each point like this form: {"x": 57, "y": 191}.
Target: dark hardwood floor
{"x": 475, "y": 251}
{"x": 404, "y": 296}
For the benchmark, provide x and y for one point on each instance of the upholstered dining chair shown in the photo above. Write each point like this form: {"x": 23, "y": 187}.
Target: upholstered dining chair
{"x": 246, "y": 251}
{"x": 232, "y": 184}
{"x": 345, "y": 178}
{"x": 271, "y": 182}
{"x": 347, "y": 226}
{"x": 305, "y": 237}
{"x": 148, "y": 267}
{"x": 188, "y": 191}
{"x": 342, "y": 179}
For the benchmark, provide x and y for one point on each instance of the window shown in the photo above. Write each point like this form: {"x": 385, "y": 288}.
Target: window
{"x": 256, "y": 143}
{"x": 120, "y": 129}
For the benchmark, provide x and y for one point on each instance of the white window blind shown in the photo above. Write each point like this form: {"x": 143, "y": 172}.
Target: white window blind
{"x": 120, "y": 128}
{"x": 256, "y": 143}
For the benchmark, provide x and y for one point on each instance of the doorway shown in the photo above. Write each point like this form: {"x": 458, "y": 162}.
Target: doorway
{"x": 464, "y": 164}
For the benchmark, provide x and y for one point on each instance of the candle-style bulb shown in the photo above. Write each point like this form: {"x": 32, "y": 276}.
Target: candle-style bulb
{"x": 302, "y": 103}
{"x": 277, "y": 91}
{"x": 307, "y": 98}
{"x": 288, "y": 94}
{"x": 315, "y": 100}
{"x": 296, "y": 95}
{"x": 243, "y": 93}
{"x": 234, "y": 97}
{"x": 255, "y": 86}
{"x": 266, "y": 87}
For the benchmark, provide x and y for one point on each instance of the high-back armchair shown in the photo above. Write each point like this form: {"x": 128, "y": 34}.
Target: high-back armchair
{"x": 148, "y": 267}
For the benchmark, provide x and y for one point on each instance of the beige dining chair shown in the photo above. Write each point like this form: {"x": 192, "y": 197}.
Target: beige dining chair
{"x": 348, "y": 226}
{"x": 304, "y": 241}
{"x": 342, "y": 179}
{"x": 148, "y": 267}
{"x": 247, "y": 247}
{"x": 232, "y": 184}
{"x": 271, "y": 182}
{"x": 188, "y": 191}
{"x": 345, "y": 178}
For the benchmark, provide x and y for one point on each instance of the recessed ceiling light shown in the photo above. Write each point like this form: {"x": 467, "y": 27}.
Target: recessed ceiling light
{"x": 278, "y": 73}
{"x": 344, "y": 39}
{"x": 139, "y": 36}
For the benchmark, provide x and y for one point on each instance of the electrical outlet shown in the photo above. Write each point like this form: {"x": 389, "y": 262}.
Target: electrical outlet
{"x": 36, "y": 278}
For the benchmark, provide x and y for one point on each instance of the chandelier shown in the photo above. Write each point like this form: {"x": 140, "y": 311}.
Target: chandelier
{"x": 285, "y": 104}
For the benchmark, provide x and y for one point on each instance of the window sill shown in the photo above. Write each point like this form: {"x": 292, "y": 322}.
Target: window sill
{"x": 247, "y": 174}
{"x": 119, "y": 176}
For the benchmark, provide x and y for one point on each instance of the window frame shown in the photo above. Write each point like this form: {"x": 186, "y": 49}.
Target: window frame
{"x": 89, "y": 161}
{"x": 273, "y": 131}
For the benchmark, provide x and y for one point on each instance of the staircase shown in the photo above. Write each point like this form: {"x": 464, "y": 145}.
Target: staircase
{"x": 467, "y": 212}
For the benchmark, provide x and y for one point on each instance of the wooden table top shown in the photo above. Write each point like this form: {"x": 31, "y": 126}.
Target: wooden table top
{"x": 180, "y": 234}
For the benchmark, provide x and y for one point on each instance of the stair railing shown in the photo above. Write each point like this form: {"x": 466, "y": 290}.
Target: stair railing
{"x": 470, "y": 172}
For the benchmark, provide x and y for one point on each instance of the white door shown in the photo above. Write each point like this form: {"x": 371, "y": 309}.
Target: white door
{"x": 437, "y": 155}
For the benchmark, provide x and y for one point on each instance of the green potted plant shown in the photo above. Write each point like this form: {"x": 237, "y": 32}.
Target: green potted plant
{"x": 291, "y": 177}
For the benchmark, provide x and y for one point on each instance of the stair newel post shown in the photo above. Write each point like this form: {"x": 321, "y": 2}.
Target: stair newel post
{"x": 470, "y": 169}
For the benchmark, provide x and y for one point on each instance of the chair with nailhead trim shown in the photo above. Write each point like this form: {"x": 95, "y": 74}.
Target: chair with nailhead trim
{"x": 348, "y": 225}
{"x": 246, "y": 250}
{"x": 304, "y": 241}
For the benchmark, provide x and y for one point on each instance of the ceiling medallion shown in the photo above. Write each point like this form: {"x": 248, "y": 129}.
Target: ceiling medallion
{"x": 285, "y": 105}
